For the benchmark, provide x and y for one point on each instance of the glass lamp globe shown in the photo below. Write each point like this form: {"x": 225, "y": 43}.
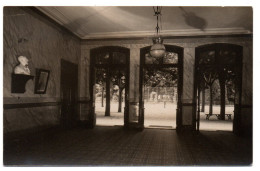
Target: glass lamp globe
{"x": 158, "y": 49}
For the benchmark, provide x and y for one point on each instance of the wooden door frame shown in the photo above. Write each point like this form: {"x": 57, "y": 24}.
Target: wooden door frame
{"x": 109, "y": 49}
{"x": 237, "y": 108}
{"x": 170, "y": 48}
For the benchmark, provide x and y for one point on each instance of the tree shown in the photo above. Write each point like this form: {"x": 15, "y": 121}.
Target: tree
{"x": 209, "y": 77}
{"x": 230, "y": 85}
{"x": 222, "y": 80}
{"x": 203, "y": 87}
{"x": 226, "y": 75}
{"x": 118, "y": 78}
{"x": 101, "y": 80}
{"x": 161, "y": 77}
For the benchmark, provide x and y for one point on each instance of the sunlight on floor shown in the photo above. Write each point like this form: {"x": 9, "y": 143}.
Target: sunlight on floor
{"x": 115, "y": 118}
{"x": 159, "y": 116}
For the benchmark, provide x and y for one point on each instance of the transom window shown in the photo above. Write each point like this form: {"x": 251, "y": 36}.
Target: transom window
{"x": 110, "y": 58}
{"x": 169, "y": 58}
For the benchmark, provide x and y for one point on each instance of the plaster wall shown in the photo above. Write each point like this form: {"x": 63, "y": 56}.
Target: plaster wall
{"x": 28, "y": 33}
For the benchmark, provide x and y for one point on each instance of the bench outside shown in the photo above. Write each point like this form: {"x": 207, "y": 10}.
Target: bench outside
{"x": 218, "y": 116}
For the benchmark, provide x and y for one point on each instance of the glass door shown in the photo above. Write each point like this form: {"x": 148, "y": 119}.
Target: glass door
{"x": 109, "y": 77}
{"x": 218, "y": 86}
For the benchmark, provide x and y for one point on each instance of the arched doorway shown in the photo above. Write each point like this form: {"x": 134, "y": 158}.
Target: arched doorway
{"x": 218, "y": 74}
{"x": 109, "y": 85}
{"x": 160, "y": 88}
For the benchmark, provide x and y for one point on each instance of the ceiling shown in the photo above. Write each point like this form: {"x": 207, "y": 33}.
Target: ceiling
{"x": 94, "y": 22}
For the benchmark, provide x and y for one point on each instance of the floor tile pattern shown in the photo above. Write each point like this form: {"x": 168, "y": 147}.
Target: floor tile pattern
{"x": 116, "y": 146}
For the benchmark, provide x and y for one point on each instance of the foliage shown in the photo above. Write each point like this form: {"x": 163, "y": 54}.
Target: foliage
{"x": 161, "y": 77}
{"x": 117, "y": 81}
{"x": 209, "y": 77}
{"x": 118, "y": 78}
{"x": 101, "y": 76}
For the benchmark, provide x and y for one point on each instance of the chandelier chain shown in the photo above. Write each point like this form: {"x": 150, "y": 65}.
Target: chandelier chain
{"x": 157, "y": 13}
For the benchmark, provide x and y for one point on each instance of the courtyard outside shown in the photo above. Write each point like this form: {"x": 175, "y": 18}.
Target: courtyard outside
{"x": 160, "y": 115}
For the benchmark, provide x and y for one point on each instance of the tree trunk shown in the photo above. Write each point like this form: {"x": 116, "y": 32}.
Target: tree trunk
{"x": 203, "y": 100}
{"x": 222, "y": 97}
{"x": 102, "y": 97}
{"x": 120, "y": 100}
{"x": 107, "y": 111}
{"x": 211, "y": 100}
{"x": 148, "y": 94}
{"x": 157, "y": 90}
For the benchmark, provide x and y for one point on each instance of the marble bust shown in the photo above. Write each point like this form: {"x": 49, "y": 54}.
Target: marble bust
{"x": 22, "y": 68}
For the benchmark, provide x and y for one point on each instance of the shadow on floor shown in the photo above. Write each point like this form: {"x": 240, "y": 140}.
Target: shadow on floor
{"x": 116, "y": 146}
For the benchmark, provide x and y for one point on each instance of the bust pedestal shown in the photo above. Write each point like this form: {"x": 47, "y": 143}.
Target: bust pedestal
{"x": 18, "y": 82}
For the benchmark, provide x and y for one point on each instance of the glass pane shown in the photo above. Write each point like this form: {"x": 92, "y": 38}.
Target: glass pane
{"x": 117, "y": 95}
{"x": 118, "y": 77}
{"x": 209, "y": 75}
{"x": 102, "y": 58}
{"x": 227, "y": 56}
{"x": 151, "y": 60}
{"x": 100, "y": 91}
{"x": 170, "y": 58}
{"x": 230, "y": 84}
{"x": 119, "y": 58}
{"x": 162, "y": 76}
{"x": 230, "y": 90}
{"x": 100, "y": 76}
{"x": 110, "y": 98}
{"x": 207, "y": 57}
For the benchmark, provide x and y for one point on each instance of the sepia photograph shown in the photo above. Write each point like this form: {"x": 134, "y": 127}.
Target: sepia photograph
{"x": 127, "y": 85}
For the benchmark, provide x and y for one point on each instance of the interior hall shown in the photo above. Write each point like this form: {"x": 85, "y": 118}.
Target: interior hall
{"x": 127, "y": 86}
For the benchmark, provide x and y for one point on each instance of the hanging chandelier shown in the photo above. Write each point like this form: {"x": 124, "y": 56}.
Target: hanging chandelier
{"x": 158, "y": 49}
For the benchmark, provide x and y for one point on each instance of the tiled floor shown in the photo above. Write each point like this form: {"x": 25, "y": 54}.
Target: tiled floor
{"x": 116, "y": 146}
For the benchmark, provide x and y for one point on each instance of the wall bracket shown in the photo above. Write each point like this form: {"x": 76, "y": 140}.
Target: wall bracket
{"x": 19, "y": 82}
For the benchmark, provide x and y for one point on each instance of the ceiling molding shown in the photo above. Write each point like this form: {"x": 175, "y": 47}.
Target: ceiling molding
{"x": 168, "y": 33}
{"x": 54, "y": 14}
{"x": 57, "y": 16}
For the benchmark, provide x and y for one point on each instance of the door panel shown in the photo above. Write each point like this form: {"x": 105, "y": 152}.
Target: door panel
{"x": 217, "y": 62}
{"x": 69, "y": 93}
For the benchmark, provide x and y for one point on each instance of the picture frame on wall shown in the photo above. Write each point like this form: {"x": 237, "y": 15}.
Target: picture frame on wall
{"x": 41, "y": 81}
